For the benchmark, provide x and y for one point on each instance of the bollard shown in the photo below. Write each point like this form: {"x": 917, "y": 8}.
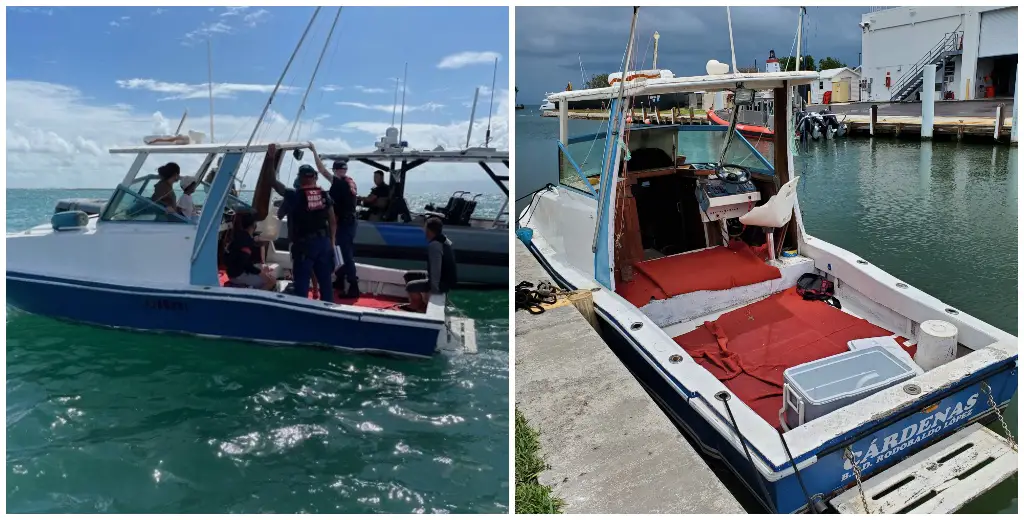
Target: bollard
{"x": 999, "y": 121}
{"x": 874, "y": 120}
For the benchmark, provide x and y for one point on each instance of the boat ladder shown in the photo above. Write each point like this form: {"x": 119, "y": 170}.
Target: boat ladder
{"x": 940, "y": 479}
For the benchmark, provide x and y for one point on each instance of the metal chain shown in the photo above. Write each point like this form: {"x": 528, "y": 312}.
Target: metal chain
{"x": 1006, "y": 429}
{"x": 856, "y": 474}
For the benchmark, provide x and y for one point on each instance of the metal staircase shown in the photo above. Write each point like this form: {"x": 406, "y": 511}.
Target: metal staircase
{"x": 912, "y": 80}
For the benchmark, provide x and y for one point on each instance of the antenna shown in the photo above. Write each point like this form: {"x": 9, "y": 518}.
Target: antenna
{"x": 583, "y": 73}
{"x": 209, "y": 67}
{"x": 732, "y": 47}
{"x": 405, "y": 87}
{"x": 799, "y": 36}
{"x": 472, "y": 115}
{"x": 302, "y": 105}
{"x": 182, "y": 122}
{"x": 394, "y": 106}
{"x": 490, "y": 111}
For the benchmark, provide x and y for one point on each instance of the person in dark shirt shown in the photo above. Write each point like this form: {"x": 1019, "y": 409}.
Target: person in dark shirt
{"x": 311, "y": 227}
{"x": 343, "y": 192}
{"x": 243, "y": 261}
{"x": 440, "y": 276}
{"x": 378, "y": 198}
{"x": 163, "y": 190}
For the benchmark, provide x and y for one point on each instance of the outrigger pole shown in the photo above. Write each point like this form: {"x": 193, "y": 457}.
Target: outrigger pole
{"x": 302, "y": 105}
{"x": 490, "y": 111}
{"x": 209, "y": 82}
{"x": 223, "y": 195}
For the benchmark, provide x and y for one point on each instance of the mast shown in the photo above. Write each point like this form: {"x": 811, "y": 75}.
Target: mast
{"x": 394, "y": 106}
{"x": 603, "y": 235}
{"x": 209, "y": 81}
{"x": 302, "y": 105}
{"x": 656, "y": 37}
{"x": 490, "y": 111}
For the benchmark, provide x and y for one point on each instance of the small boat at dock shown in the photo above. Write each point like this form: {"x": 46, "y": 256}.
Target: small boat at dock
{"x": 821, "y": 381}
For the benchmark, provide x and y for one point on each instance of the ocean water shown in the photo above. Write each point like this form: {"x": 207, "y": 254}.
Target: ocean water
{"x": 941, "y": 216}
{"x": 118, "y": 422}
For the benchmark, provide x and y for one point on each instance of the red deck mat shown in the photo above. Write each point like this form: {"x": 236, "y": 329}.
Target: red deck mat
{"x": 749, "y": 348}
{"x": 715, "y": 269}
{"x": 369, "y": 301}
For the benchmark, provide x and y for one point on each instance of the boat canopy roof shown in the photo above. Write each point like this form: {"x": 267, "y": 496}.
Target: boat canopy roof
{"x": 209, "y": 148}
{"x": 470, "y": 155}
{"x": 709, "y": 83}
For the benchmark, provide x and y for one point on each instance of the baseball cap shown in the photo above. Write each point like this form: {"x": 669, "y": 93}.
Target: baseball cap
{"x": 307, "y": 171}
{"x": 186, "y": 181}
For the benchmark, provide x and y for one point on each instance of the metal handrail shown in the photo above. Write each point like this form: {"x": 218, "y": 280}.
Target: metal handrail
{"x": 948, "y": 42}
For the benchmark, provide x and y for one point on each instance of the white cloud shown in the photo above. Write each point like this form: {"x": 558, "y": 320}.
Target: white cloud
{"x": 113, "y": 23}
{"x": 58, "y": 136}
{"x": 205, "y": 31}
{"x": 233, "y": 11}
{"x": 33, "y": 10}
{"x": 200, "y": 90}
{"x": 254, "y": 18}
{"x": 126, "y": 17}
{"x": 158, "y": 11}
{"x": 370, "y": 90}
{"x": 331, "y": 88}
{"x": 425, "y": 107}
{"x": 465, "y": 59}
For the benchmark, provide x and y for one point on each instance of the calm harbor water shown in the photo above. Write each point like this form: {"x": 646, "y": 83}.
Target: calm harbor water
{"x": 942, "y": 216}
{"x": 117, "y": 422}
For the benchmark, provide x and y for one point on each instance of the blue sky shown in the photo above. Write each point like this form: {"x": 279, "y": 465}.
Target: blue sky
{"x": 108, "y": 76}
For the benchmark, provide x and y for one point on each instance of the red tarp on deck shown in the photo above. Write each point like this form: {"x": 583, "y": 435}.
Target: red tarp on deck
{"x": 749, "y": 348}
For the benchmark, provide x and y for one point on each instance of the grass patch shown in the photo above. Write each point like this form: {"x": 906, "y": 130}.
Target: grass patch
{"x": 531, "y": 496}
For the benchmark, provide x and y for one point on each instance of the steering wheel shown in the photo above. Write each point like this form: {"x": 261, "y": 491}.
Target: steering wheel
{"x": 733, "y": 174}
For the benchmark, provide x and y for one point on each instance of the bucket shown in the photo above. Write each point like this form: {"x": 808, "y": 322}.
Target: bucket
{"x": 936, "y": 344}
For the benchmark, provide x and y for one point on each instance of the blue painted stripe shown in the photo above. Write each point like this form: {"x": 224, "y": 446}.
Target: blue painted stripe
{"x": 246, "y": 318}
{"x": 577, "y": 169}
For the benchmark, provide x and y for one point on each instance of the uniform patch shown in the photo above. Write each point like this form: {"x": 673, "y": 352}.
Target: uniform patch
{"x": 314, "y": 200}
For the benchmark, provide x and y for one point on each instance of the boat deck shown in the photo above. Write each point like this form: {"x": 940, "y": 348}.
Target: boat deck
{"x": 750, "y": 347}
{"x": 365, "y": 300}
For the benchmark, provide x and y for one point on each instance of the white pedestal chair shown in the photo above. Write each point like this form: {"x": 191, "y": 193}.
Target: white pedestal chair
{"x": 773, "y": 214}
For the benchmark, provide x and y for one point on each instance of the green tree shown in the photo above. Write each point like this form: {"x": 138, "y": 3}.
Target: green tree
{"x": 829, "y": 62}
{"x": 596, "y": 81}
{"x": 789, "y": 63}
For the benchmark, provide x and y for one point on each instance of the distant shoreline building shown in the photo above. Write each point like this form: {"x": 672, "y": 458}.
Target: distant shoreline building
{"x": 974, "y": 50}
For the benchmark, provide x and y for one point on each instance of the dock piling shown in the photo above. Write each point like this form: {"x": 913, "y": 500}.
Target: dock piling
{"x": 928, "y": 102}
{"x": 874, "y": 120}
{"x": 999, "y": 121}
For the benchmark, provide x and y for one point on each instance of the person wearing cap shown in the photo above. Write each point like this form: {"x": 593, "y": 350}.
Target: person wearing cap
{"x": 312, "y": 227}
{"x": 186, "y": 207}
{"x": 378, "y": 199}
{"x": 344, "y": 194}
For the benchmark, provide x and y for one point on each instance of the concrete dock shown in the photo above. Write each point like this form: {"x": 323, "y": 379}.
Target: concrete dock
{"x": 609, "y": 447}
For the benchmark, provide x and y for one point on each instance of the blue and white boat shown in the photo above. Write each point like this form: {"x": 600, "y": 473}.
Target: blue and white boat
{"x": 693, "y": 243}
{"x": 134, "y": 266}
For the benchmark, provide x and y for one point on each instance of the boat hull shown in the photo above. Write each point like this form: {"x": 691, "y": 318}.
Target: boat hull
{"x": 942, "y": 414}
{"x": 241, "y": 314}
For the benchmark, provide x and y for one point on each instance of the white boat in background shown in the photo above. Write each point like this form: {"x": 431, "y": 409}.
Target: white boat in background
{"x": 749, "y": 331}
{"x": 547, "y": 104}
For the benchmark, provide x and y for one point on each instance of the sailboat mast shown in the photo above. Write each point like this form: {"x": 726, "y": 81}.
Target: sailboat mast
{"x": 302, "y": 104}
{"x": 656, "y": 38}
{"x": 209, "y": 81}
{"x": 490, "y": 110}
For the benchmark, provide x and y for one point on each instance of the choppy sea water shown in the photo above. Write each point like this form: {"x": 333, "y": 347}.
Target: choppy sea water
{"x": 109, "y": 421}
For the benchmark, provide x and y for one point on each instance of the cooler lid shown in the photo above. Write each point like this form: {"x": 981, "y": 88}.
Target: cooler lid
{"x": 848, "y": 374}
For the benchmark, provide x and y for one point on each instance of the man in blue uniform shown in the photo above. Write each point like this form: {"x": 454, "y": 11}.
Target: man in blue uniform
{"x": 311, "y": 227}
{"x": 343, "y": 193}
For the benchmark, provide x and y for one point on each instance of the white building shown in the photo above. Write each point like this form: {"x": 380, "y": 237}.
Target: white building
{"x": 843, "y": 83}
{"x": 974, "y": 48}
